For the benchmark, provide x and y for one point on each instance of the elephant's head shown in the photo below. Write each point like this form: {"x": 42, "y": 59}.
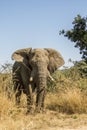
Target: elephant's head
{"x": 42, "y": 61}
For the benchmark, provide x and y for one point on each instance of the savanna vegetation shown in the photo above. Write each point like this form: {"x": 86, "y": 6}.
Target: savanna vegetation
{"x": 67, "y": 95}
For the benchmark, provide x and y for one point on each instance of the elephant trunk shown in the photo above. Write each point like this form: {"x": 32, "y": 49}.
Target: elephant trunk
{"x": 41, "y": 85}
{"x": 39, "y": 77}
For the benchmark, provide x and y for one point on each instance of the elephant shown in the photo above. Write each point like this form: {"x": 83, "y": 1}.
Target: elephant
{"x": 32, "y": 68}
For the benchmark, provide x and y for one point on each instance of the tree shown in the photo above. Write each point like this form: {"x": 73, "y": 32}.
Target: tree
{"x": 78, "y": 34}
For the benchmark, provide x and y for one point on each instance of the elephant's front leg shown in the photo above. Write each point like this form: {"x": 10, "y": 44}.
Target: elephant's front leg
{"x": 29, "y": 95}
{"x": 40, "y": 99}
{"x": 41, "y": 93}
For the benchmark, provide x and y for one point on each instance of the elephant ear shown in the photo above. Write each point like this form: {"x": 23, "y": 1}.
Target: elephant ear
{"x": 21, "y": 54}
{"x": 55, "y": 60}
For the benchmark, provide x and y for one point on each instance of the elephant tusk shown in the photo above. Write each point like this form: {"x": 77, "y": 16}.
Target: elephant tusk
{"x": 51, "y": 78}
{"x": 31, "y": 79}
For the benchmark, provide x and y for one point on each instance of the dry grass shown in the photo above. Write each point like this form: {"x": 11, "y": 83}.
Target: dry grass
{"x": 13, "y": 118}
{"x": 71, "y": 101}
{"x": 59, "y": 107}
{"x": 5, "y": 105}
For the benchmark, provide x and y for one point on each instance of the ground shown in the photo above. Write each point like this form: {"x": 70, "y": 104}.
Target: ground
{"x": 44, "y": 121}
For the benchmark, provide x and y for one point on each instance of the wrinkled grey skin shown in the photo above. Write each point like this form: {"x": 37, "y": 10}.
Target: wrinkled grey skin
{"x": 40, "y": 64}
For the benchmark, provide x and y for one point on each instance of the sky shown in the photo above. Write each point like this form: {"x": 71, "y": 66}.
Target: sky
{"x": 36, "y": 24}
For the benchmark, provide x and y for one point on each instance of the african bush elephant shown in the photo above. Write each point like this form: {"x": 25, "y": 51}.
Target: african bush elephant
{"x": 35, "y": 67}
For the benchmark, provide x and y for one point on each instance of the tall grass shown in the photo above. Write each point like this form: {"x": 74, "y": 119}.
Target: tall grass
{"x": 70, "y": 101}
{"x": 69, "y": 96}
{"x": 6, "y": 105}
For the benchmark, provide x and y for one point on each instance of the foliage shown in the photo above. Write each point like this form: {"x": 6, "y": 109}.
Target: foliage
{"x": 82, "y": 68}
{"x": 73, "y": 77}
{"x": 78, "y": 34}
{"x": 79, "y": 70}
{"x": 70, "y": 89}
